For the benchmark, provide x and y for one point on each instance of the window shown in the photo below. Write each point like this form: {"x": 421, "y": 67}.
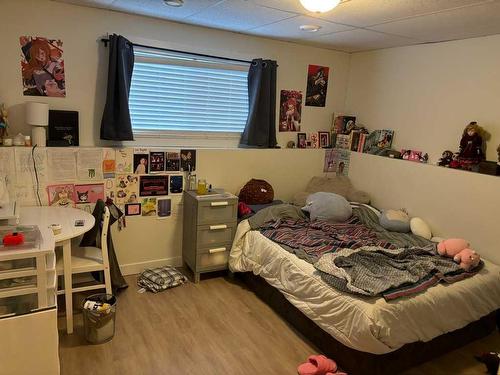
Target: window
{"x": 179, "y": 93}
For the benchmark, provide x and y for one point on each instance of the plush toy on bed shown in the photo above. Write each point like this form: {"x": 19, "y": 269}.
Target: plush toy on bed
{"x": 459, "y": 250}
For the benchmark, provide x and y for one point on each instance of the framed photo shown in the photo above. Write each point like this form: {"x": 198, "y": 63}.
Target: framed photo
{"x": 301, "y": 140}
{"x": 133, "y": 209}
{"x": 324, "y": 139}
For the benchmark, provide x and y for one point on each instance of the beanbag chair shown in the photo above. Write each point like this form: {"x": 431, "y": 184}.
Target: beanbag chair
{"x": 328, "y": 206}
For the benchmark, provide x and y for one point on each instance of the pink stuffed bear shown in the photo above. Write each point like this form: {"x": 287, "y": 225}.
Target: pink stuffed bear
{"x": 459, "y": 250}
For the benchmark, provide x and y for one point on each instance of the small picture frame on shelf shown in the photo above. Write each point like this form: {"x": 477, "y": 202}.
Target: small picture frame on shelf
{"x": 301, "y": 140}
{"x": 324, "y": 139}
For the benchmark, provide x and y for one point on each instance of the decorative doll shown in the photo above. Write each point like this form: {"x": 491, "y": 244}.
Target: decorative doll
{"x": 446, "y": 158}
{"x": 471, "y": 147}
{"x": 4, "y": 124}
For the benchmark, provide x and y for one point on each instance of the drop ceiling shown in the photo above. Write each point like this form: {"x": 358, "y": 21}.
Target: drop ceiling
{"x": 353, "y": 26}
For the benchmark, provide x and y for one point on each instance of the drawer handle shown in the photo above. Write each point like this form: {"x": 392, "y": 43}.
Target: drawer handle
{"x": 216, "y": 204}
{"x": 216, "y": 227}
{"x": 217, "y": 250}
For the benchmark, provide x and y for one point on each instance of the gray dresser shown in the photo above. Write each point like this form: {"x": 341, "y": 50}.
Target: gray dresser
{"x": 209, "y": 225}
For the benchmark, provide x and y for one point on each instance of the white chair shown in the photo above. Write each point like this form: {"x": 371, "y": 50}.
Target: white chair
{"x": 89, "y": 259}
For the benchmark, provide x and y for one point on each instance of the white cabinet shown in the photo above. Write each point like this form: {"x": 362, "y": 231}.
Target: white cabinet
{"x": 28, "y": 305}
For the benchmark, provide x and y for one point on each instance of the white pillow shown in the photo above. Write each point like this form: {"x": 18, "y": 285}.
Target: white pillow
{"x": 420, "y": 228}
{"x": 328, "y": 206}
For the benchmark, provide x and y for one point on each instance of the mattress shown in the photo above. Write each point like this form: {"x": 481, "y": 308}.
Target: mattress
{"x": 366, "y": 324}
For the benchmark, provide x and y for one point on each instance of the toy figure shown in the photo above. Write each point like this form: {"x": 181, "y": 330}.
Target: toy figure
{"x": 4, "y": 124}
{"x": 446, "y": 158}
{"x": 471, "y": 147}
{"x": 292, "y": 116}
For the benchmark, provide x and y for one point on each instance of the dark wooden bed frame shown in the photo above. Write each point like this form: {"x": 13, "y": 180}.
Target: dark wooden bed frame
{"x": 359, "y": 363}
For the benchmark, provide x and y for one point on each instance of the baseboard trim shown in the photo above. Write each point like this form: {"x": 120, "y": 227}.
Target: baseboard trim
{"x": 135, "y": 268}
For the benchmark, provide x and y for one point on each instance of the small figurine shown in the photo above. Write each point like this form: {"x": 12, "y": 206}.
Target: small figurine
{"x": 446, "y": 158}
{"x": 471, "y": 147}
{"x": 4, "y": 123}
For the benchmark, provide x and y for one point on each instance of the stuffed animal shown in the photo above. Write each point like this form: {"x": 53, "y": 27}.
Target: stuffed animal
{"x": 459, "y": 250}
{"x": 446, "y": 158}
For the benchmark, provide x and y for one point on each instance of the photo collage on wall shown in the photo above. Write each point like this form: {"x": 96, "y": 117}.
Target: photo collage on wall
{"x": 140, "y": 181}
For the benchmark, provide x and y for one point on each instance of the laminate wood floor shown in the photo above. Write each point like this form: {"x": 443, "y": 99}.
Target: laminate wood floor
{"x": 216, "y": 327}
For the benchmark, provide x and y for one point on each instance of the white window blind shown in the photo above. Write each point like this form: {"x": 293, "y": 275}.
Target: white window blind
{"x": 179, "y": 92}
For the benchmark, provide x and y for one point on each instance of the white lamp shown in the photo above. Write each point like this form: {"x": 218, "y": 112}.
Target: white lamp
{"x": 37, "y": 115}
{"x": 319, "y": 6}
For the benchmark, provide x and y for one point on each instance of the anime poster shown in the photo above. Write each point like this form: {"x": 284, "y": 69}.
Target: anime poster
{"x": 173, "y": 162}
{"x": 290, "y": 110}
{"x": 148, "y": 207}
{"x": 141, "y": 159}
{"x": 337, "y": 161}
{"x": 153, "y": 185}
{"x": 317, "y": 84}
{"x": 188, "y": 160}
{"x": 42, "y": 67}
{"x": 127, "y": 188}
{"x": 176, "y": 184}
{"x": 89, "y": 193}
{"x": 61, "y": 195}
{"x": 156, "y": 161}
{"x": 164, "y": 208}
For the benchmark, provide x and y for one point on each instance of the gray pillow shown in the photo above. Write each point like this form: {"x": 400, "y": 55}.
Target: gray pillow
{"x": 395, "y": 221}
{"x": 328, "y": 206}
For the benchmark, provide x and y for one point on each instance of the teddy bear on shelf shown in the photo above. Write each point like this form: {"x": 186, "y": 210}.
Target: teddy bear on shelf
{"x": 459, "y": 250}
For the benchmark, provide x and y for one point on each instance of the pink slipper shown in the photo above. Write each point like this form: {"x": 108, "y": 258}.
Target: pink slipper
{"x": 317, "y": 365}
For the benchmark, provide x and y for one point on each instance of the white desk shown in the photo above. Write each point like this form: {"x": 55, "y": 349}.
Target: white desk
{"x": 45, "y": 216}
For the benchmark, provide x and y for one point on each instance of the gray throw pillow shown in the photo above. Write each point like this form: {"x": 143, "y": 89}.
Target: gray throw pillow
{"x": 328, "y": 206}
{"x": 395, "y": 221}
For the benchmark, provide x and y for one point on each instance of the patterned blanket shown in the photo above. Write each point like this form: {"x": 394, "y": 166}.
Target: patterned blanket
{"x": 319, "y": 242}
{"x": 374, "y": 271}
{"x": 311, "y": 239}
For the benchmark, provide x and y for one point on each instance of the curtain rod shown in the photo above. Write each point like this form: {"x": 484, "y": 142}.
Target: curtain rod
{"x": 106, "y": 41}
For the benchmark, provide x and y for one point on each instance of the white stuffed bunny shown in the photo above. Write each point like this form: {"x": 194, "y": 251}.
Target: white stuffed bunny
{"x": 4, "y": 193}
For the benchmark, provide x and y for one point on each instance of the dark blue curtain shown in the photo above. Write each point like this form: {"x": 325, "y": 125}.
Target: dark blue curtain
{"x": 116, "y": 124}
{"x": 260, "y": 129}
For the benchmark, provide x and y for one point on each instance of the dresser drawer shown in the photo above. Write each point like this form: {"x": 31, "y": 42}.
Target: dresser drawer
{"x": 215, "y": 212}
{"x": 208, "y": 235}
{"x": 218, "y": 258}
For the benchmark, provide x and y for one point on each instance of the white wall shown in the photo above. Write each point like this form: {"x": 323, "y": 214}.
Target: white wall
{"x": 80, "y": 29}
{"x": 148, "y": 241}
{"x": 454, "y": 203}
{"x": 429, "y": 93}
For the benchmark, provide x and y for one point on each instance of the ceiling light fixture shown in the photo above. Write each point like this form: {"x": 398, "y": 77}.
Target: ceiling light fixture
{"x": 310, "y": 28}
{"x": 174, "y": 3}
{"x": 319, "y": 6}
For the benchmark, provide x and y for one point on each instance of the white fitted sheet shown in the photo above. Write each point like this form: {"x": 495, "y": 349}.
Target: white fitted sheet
{"x": 370, "y": 325}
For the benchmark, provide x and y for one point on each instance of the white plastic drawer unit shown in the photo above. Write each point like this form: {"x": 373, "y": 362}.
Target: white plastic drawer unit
{"x": 217, "y": 211}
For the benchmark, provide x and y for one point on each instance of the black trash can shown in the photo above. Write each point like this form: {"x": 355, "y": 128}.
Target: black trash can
{"x": 99, "y": 314}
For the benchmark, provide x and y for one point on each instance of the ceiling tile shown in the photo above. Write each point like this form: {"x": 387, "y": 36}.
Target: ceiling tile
{"x": 290, "y": 28}
{"x": 363, "y": 13}
{"x": 360, "y": 40}
{"x": 457, "y": 24}
{"x": 156, "y": 8}
{"x": 238, "y": 15}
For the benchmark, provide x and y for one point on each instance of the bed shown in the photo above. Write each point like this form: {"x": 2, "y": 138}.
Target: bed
{"x": 367, "y": 334}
